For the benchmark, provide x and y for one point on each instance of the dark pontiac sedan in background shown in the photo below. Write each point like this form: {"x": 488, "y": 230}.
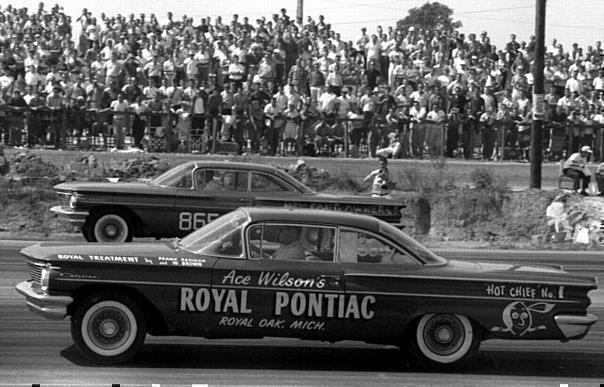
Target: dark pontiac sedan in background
{"x": 193, "y": 194}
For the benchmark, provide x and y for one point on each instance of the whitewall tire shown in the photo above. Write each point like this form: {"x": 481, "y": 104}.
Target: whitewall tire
{"x": 108, "y": 328}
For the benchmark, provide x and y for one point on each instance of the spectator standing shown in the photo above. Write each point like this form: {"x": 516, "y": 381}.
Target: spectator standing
{"x": 56, "y": 103}
{"x": 316, "y": 82}
{"x": 291, "y": 129}
{"x": 487, "y": 131}
{"x": 435, "y": 120}
{"x": 215, "y": 104}
{"x": 120, "y": 108}
{"x": 16, "y": 115}
{"x": 298, "y": 77}
{"x": 274, "y": 125}
{"x": 417, "y": 115}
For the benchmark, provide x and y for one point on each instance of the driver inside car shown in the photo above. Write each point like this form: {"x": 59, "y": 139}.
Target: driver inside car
{"x": 291, "y": 247}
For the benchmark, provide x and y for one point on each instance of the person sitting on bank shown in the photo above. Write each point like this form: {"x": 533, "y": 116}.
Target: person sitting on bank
{"x": 576, "y": 168}
{"x": 381, "y": 184}
{"x": 600, "y": 179}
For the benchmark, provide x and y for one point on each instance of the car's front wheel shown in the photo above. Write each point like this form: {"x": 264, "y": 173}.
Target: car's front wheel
{"x": 108, "y": 328}
{"x": 108, "y": 227}
{"x": 443, "y": 341}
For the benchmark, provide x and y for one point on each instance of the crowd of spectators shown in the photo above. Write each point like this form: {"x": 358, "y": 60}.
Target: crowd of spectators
{"x": 275, "y": 85}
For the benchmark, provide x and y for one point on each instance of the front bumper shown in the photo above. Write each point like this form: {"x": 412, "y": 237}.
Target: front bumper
{"x": 75, "y": 217}
{"x": 575, "y": 327}
{"x": 51, "y": 307}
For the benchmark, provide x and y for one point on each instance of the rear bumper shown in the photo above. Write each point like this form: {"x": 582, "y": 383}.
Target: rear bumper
{"x": 51, "y": 307}
{"x": 75, "y": 217}
{"x": 575, "y": 327}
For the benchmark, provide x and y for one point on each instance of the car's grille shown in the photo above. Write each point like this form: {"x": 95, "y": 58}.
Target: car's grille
{"x": 35, "y": 271}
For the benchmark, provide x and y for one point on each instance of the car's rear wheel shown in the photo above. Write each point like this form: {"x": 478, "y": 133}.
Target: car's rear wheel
{"x": 111, "y": 226}
{"x": 443, "y": 341}
{"x": 108, "y": 328}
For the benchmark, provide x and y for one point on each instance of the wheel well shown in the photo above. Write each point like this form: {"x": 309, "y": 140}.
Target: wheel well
{"x": 135, "y": 220}
{"x": 156, "y": 323}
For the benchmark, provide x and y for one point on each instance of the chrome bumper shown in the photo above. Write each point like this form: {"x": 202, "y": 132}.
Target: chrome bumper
{"x": 51, "y": 307}
{"x": 77, "y": 218}
{"x": 575, "y": 327}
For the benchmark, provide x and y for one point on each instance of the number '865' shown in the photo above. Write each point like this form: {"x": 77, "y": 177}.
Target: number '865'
{"x": 195, "y": 220}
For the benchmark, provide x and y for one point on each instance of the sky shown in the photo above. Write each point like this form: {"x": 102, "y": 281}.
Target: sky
{"x": 568, "y": 21}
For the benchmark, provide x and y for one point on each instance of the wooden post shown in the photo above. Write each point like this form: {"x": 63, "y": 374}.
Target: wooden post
{"x": 538, "y": 97}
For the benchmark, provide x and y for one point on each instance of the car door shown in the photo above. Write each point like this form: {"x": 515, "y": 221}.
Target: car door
{"x": 374, "y": 271}
{"x": 296, "y": 294}
{"x": 215, "y": 192}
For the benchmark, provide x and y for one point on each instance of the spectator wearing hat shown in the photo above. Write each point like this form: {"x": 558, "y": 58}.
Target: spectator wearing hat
{"x": 576, "y": 168}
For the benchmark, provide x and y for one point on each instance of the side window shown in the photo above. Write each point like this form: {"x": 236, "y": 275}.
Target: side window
{"x": 267, "y": 183}
{"x": 291, "y": 242}
{"x": 360, "y": 247}
{"x": 215, "y": 180}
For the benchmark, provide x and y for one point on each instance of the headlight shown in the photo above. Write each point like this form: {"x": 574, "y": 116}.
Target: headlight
{"x": 72, "y": 201}
{"x": 45, "y": 278}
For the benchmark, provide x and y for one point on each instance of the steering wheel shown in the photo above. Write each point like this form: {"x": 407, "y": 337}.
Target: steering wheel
{"x": 259, "y": 252}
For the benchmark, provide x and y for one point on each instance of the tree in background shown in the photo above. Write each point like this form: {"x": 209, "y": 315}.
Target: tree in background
{"x": 430, "y": 16}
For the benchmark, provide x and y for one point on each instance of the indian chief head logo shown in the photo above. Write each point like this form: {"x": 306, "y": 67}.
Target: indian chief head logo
{"x": 518, "y": 319}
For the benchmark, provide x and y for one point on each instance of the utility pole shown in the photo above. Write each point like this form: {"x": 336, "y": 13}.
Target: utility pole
{"x": 538, "y": 97}
{"x": 300, "y": 12}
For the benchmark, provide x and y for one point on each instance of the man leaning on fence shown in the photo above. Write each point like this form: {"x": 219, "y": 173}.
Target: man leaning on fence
{"x": 576, "y": 168}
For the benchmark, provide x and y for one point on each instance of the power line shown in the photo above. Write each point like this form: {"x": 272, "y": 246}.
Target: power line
{"x": 492, "y": 10}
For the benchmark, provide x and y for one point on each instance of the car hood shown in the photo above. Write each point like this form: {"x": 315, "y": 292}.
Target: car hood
{"x": 107, "y": 187}
{"x": 98, "y": 252}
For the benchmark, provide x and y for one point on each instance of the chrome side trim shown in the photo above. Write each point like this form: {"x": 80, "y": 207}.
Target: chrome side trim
{"x": 51, "y": 307}
{"x": 443, "y": 278}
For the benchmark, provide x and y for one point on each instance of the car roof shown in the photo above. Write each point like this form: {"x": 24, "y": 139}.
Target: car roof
{"x": 252, "y": 167}
{"x": 305, "y": 215}
{"x": 234, "y": 164}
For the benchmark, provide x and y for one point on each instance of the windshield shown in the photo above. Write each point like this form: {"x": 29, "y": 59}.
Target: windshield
{"x": 178, "y": 177}
{"x": 427, "y": 256}
{"x": 217, "y": 236}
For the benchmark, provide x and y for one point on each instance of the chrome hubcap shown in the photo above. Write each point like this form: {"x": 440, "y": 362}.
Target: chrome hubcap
{"x": 109, "y": 328}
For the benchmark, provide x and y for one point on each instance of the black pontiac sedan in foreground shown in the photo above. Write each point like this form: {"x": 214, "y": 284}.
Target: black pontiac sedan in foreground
{"x": 193, "y": 194}
{"x": 308, "y": 274}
